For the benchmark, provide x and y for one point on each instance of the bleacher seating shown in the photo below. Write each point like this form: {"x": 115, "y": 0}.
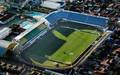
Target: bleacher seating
{"x": 77, "y": 17}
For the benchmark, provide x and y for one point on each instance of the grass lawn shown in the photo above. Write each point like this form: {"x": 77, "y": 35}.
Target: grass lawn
{"x": 76, "y": 44}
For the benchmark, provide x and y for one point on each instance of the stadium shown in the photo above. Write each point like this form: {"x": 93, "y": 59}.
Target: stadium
{"x": 59, "y": 37}
{"x": 62, "y": 43}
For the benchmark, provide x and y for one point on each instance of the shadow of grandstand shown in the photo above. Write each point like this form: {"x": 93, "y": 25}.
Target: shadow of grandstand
{"x": 44, "y": 46}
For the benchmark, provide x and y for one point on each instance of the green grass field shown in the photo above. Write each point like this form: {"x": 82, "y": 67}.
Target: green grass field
{"x": 62, "y": 45}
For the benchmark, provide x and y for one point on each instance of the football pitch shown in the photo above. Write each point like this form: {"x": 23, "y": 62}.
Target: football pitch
{"x": 62, "y": 45}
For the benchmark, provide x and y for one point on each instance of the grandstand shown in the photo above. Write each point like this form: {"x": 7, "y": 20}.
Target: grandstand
{"x": 70, "y": 36}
